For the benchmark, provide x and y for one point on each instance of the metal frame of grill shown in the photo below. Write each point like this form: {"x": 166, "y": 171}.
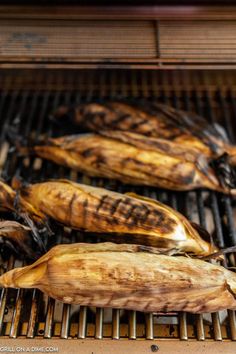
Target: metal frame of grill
{"x": 23, "y": 313}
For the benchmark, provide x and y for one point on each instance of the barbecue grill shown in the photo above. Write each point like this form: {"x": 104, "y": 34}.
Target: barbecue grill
{"x": 75, "y": 54}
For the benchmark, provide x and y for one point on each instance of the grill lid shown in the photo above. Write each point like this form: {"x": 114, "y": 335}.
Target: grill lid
{"x": 158, "y": 36}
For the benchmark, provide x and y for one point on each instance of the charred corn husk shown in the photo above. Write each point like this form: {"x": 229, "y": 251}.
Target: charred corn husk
{"x": 19, "y": 238}
{"x": 136, "y": 159}
{"x": 10, "y": 200}
{"x": 154, "y": 120}
{"x": 129, "y": 277}
{"x": 127, "y": 218}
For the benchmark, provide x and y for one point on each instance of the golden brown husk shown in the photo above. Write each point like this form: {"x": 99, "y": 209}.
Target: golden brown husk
{"x": 127, "y": 218}
{"x": 11, "y": 201}
{"x": 134, "y": 159}
{"x": 154, "y": 120}
{"x": 126, "y": 276}
{"x": 19, "y": 236}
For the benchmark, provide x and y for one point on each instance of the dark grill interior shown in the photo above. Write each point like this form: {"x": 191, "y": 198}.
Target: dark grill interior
{"x": 27, "y": 313}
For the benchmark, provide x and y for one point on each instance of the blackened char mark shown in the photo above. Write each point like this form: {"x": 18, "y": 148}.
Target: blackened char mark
{"x": 100, "y": 160}
{"x": 137, "y": 216}
{"x": 188, "y": 178}
{"x": 7, "y": 200}
{"x": 25, "y": 192}
{"x": 228, "y": 287}
{"x": 87, "y": 153}
{"x": 115, "y": 205}
{"x": 164, "y": 222}
{"x": 144, "y": 214}
{"x": 85, "y": 206}
{"x": 70, "y": 207}
{"x": 121, "y": 118}
{"x": 137, "y": 125}
{"x": 128, "y": 160}
{"x": 90, "y": 119}
{"x": 193, "y": 124}
{"x": 130, "y": 212}
{"x": 59, "y": 195}
{"x": 103, "y": 203}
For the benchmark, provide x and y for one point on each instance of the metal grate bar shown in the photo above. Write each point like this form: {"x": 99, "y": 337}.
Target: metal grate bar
{"x": 42, "y": 115}
{"x": 33, "y": 314}
{"x": 3, "y": 99}
{"x": 32, "y": 113}
{"x": 217, "y": 220}
{"x": 230, "y": 219}
{"x": 66, "y": 308}
{"x": 215, "y": 316}
{"x": 233, "y": 105}
{"x": 65, "y": 327}
{"x": 16, "y": 314}
{"x": 183, "y": 333}
{"x": 3, "y": 297}
{"x": 232, "y": 324}
{"x": 116, "y": 324}
{"x": 19, "y": 297}
{"x": 208, "y": 107}
{"x": 3, "y": 300}
{"x": 182, "y": 315}
{"x": 149, "y": 326}
{"x": 200, "y": 327}
{"x": 99, "y": 323}
{"x": 9, "y": 114}
{"x": 216, "y": 326}
{"x": 31, "y": 330}
{"x": 226, "y": 116}
{"x": 49, "y": 318}
{"x": 82, "y": 322}
{"x": 132, "y": 325}
{"x": 228, "y": 206}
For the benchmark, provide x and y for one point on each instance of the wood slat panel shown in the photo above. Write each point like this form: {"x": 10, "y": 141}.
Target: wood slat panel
{"x": 151, "y": 12}
{"x": 57, "y": 40}
{"x": 197, "y": 39}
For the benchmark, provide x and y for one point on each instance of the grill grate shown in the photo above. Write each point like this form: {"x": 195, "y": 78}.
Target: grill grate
{"x": 28, "y": 313}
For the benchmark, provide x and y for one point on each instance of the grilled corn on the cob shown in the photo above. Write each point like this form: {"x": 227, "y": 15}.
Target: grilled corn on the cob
{"x": 19, "y": 238}
{"x": 128, "y": 218}
{"x": 126, "y": 276}
{"x": 152, "y": 119}
{"x": 136, "y": 159}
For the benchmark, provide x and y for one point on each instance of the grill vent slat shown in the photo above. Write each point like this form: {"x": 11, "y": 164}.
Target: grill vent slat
{"x": 90, "y": 39}
{"x": 197, "y": 39}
